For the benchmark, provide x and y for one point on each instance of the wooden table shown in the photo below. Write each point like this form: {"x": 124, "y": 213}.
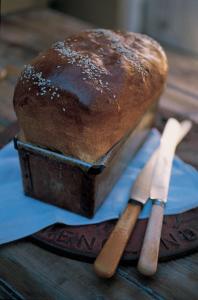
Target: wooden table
{"x": 29, "y": 272}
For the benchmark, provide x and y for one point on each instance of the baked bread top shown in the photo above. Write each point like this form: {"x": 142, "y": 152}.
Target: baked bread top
{"x": 85, "y": 93}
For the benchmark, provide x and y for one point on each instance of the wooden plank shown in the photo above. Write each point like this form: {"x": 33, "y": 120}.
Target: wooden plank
{"x": 8, "y": 292}
{"x": 2, "y": 128}
{"x": 38, "y": 274}
{"x": 38, "y": 29}
{"x": 174, "y": 280}
{"x": 187, "y": 150}
{"x": 7, "y": 135}
{"x": 19, "y": 5}
{"x": 6, "y": 105}
{"x": 13, "y": 57}
{"x": 183, "y": 71}
{"x": 179, "y": 101}
{"x": 12, "y": 60}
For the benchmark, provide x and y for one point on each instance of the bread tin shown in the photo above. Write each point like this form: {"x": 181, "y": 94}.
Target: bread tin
{"x": 71, "y": 183}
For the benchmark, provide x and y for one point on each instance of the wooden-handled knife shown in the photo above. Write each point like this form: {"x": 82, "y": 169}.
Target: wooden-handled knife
{"x": 172, "y": 135}
{"x": 111, "y": 253}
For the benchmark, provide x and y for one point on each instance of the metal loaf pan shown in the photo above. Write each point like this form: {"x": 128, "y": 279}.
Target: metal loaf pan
{"x": 73, "y": 184}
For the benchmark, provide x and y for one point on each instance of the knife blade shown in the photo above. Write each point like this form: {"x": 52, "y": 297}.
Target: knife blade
{"x": 172, "y": 135}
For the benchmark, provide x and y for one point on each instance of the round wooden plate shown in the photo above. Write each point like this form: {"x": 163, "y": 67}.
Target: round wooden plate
{"x": 179, "y": 237}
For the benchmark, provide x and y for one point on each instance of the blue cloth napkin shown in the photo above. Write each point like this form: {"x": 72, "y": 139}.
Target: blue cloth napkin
{"x": 21, "y": 216}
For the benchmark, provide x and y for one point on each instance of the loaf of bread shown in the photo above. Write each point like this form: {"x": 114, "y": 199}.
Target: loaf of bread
{"x": 85, "y": 93}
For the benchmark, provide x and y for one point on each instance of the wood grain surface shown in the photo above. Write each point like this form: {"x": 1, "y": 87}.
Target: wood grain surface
{"x": 29, "y": 272}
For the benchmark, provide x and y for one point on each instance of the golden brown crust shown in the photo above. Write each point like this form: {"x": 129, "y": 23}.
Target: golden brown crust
{"x": 84, "y": 94}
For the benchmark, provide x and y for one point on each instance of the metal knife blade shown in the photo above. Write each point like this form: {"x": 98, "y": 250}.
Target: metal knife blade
{"x": 141, "y": 188}
{"x": 172, "y": 135}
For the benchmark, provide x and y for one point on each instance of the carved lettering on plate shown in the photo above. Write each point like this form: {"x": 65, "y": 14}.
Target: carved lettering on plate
{"x": 179, "y": 235}
{"x": 84, "y": 242}
{"x": 188, "y": 234}
{"x": 66, "y": 237}
{"x": 170, "y": 241}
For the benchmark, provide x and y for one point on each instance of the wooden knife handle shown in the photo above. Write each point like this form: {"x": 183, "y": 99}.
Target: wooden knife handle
{"x": 147, "y": 264}
{"x": 108, "y": 259}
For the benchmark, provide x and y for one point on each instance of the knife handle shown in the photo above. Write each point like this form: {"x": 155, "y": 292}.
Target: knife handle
{"x": 148, "y": 260}
{"x": 108, "y": 259}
